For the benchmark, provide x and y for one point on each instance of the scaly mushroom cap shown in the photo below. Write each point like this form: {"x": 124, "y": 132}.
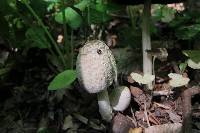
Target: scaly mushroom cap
{"x": 96, "y": 66}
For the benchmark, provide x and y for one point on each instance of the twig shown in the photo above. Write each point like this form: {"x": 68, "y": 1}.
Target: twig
{"x": 161, "y": 105}
{"x": 162, "y": 93}
{"x": 133, "y": 118}
{"x": 154, "y": 118}
{"x": 146, "y": 115}
{"x": 186, "y": 100}
{"x": 187, "y": 108}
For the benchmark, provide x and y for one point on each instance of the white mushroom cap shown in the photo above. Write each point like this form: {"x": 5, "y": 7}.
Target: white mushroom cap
{"x": 95, "y": 66}
{"x": 120, "y": 98}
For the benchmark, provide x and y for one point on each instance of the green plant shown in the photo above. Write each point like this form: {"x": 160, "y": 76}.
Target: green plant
{"x": 36, "y": 17}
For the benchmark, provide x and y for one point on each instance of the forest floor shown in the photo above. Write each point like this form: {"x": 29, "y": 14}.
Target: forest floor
{"x": 27, "y": 107}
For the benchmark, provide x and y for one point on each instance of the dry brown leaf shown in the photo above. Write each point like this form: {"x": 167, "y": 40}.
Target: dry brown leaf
{"x": 165, "y": 128}
{"x": 135, "y": 130}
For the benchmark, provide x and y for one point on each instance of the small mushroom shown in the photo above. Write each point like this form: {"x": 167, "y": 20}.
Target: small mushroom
{"x": 145, "y": 79}
{"x": 120, "y": 98}
{"x": 177, "y": 80}
{"x": 193, "y": 64}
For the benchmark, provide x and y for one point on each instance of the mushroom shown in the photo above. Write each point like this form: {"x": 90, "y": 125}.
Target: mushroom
{"x": 96, "y": 70}
{"x": 177, "y": 80}
{"x": 142, "y": 79}
{"x": 120, "y": 98}
{"x": 193, "y": 65}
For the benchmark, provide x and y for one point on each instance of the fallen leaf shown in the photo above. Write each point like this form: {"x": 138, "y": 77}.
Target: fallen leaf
{"x": 174, "y": 117}
{"x": 165, "y": 128}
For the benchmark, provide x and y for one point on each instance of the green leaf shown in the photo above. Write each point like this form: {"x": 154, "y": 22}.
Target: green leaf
{"x": 183, "y": 66}
{"x": 194, "y": 55}
{"x": 97, "y": 17}
{"x": 82, "y": 5}
{"x": 188, "y": 32}
{"x": 36, "y": 37}
{"x": 168, "y": 14}
{"x": 163, "y": 13}
{"x": 62, "y": 80}
{"x": 4, "y": 71}
{"x": 73, "y": 19}
{"x": 101, "y": 7}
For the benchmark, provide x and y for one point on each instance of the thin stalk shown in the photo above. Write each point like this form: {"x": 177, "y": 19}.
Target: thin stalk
{"x": 105, "y": 108}
{"x": 46, "y": 31}
{"x": 65, "y": 27}
{"x": 72, "y": 49}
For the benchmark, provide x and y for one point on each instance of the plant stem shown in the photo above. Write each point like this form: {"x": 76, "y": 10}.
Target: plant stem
{"x": 65, "y": 28}
{"x": 105, "y": 108}
{"x": 72, "y": 49}
{"x": 46, "y": 31}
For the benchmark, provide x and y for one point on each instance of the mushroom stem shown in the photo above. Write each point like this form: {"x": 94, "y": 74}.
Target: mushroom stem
{"x": 146, "y": 40}
{"x": 105, "y": 108}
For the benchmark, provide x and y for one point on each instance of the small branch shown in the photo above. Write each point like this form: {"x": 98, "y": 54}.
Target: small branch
{"x": 145, "y": 113}
{"x": 162, "y": 93}
{"x": 187, "y": 108}
{"x": 186, "y": 95}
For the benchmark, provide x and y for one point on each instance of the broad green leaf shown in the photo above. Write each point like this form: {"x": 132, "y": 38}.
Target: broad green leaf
{"x": 101, "y": 7}
{"x": 177, "y": 80}
{"x": 188, "y": 32}
{"x": 194, "y": 55}
{"x": 4, "y": 70}
{"x": 180, "y": 20}
{"x": 168, "y": 14}
{"x": 97, "y": 17}
{"x": 82, "y": 5}
{"x": 62, "y": 80}
{"x": 163, "y": 13}
{"x": 73, "y": 19}
{"x": 36, "y": 37}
